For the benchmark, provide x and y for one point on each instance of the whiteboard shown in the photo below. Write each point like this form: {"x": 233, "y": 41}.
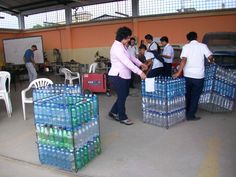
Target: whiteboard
{"x": 14, "y": 49}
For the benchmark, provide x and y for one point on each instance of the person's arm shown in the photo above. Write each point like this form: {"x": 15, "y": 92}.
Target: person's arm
{"x": 123, "y": 58}
{"x": 183, "y": 57}
{"x": 138, "y": 63}
{"x": 208, "y": 54}
{"x": 181, "y": 67}
{"x": 166, "y": 56}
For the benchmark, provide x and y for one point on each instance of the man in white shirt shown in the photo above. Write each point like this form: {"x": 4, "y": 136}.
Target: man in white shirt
{"x": 157, "y": 66}
{"x": 193, "y": 65}
{"x": 167, "y": 55}
{"x": 151, "y": 45}
{"x": 132, "y": 49}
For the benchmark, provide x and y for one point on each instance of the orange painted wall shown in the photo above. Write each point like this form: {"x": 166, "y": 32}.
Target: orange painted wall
{"x": 6, "y": 35}
{"x": 95, "y": 36}
{"x": 176, "y": 29}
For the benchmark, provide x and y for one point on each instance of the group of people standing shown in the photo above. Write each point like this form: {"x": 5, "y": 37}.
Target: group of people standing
{"x": 124, "y": 61}
{"x": 161, "y": 61}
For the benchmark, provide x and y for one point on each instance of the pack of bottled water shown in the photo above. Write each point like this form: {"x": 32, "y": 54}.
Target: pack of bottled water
{"x": 67, "y": 127}
{"x": 219, "y": 89}
{"x": 55, "y": 89}
{"x": 165, "y": 106}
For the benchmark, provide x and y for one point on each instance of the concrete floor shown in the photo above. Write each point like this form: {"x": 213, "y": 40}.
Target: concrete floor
{"x": 204, "y": 148}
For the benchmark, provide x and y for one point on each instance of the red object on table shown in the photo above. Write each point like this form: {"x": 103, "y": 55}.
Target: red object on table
{"x": 95, "y": 82}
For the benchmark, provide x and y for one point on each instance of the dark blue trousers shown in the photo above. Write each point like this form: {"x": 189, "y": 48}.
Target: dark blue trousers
{"x": 193, "y": 91}
{"x": 168, "y": 69}
{"x": 155, "y": 72}
{"x": 121, "y": 87}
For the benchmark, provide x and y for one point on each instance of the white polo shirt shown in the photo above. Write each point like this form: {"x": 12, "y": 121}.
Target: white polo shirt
{"x": 133, "y": 50}
{"x": 195, "y": 53}
{"x": 156, "y": 63}
{"x": 152, "y": 46}
{"x": 169, "y": 51}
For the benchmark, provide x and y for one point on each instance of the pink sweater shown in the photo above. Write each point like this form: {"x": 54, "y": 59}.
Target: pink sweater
{"x": 122, "y": 63}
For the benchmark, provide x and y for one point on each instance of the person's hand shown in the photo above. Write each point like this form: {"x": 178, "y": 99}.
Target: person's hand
{"x": 176, "y": 75}
{"x": 143, "y": 76}
{"x": 144, "y": 67}
{"x": 212, "y": 60}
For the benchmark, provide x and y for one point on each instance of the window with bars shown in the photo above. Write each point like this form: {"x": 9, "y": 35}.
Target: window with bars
{"x": 112, "y": 10}
{"x": 8, "y": 21}
{"x": 47, "y": 19}
{"x": 153, "y": 7}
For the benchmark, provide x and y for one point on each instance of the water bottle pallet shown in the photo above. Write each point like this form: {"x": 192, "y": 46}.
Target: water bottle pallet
{"x": 163, "y": 119}
{"x": 219, "y": 87}
{"x": 55, "y": 89}
{"x": 220, "y": 73}
{"x": 210, "y": 107}
{"x": 164, "y": 106}
{"x": 67, "y": 126}
{"x": 69, "y": 160}
{"x": 66, "y": 138}
{"x": 66, "y": 110}
{"x": 214, "y": 102}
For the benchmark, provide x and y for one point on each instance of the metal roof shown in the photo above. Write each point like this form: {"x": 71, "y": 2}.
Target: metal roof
{"x": 27, "y": 7}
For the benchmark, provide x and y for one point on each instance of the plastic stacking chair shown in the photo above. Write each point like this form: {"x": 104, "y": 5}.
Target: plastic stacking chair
{"x": 92, "y": 68}
{"x": 41, "y": 82}
{"x": 70, "y": 75}
{"x": 4, "y": 92}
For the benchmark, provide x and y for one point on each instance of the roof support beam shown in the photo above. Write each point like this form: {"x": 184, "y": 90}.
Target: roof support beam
{"x": 68, "y": 15}
{"x": 135, "y": 8}
{"x": 21, "y": 21}
{"x": 9, "y": 10}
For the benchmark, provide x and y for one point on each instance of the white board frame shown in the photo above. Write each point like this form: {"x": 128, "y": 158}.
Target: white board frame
{"x": 14, "y": 49}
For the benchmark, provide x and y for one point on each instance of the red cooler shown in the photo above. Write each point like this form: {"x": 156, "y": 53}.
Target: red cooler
{"x": 95, "y": 82}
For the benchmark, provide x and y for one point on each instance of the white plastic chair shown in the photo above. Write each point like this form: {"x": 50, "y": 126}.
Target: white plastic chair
{"x": 70, "y": 75}
{"x": 4, "y": 92}
{"x": 41, "y": 82}
{"x": 92, "y": 68}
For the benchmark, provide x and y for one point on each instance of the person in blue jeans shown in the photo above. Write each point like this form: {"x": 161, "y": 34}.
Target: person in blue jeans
{"x": 193, "y": 66}
{"x": 30, "y": 63}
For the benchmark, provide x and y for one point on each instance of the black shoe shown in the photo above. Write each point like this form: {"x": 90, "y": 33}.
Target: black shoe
{"x": 114, "y": 116}
{"x": 193, "y": 118}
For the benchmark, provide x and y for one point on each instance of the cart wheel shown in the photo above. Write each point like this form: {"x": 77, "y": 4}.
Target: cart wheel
{"x": 108, "y": 94}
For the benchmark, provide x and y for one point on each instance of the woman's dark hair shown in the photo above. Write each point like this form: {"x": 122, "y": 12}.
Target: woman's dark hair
{"x": 191, "y": 36}
{"x": 164, "y": 39}
{"x": 142, "y": 46}
{"x": 123, "y": 33}
{"x": 148, "y": 37}
{"x": 132, "y": 38}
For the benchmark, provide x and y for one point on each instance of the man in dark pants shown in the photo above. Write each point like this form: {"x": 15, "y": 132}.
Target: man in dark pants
{"x": 167, "y": 55}
{"x": 157, "y": 66}
{"x": 192, "y": 64}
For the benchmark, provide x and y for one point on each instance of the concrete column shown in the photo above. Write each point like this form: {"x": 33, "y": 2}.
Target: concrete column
{"x": 68, "y": 14}
{"x": 135, "y": 8}
{"x": 21, "y": 21}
